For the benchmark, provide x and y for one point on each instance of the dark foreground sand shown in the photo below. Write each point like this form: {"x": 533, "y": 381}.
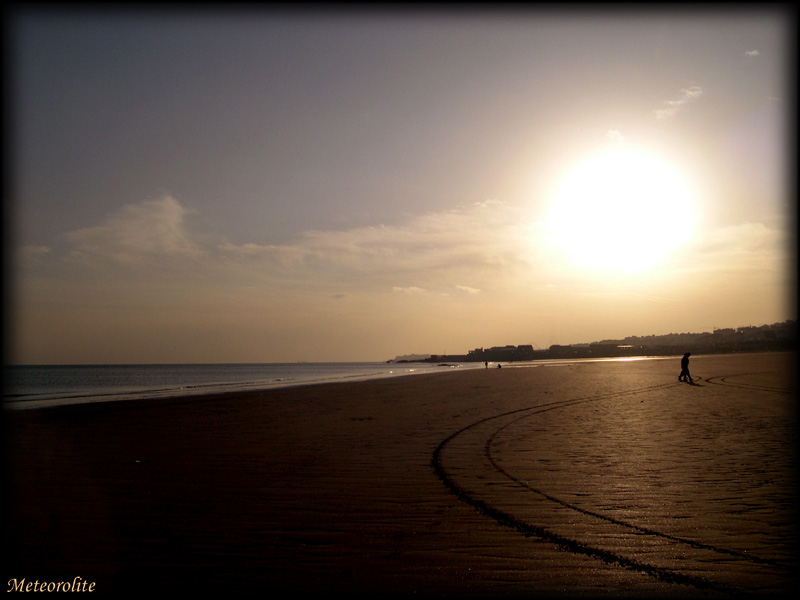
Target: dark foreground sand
{"x": 599, "y": 479}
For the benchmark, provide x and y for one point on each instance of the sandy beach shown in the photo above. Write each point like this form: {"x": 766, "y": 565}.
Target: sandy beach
{"x": 598, "y": 479}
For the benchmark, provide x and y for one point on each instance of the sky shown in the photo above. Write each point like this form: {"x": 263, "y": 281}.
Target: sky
{"x": 262, "y": 185}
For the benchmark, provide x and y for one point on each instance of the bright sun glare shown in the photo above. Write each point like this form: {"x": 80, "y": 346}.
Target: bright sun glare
{"x": 622, "y": 211}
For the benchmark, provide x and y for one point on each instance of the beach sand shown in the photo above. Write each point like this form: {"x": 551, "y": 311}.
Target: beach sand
{"x": 598, "y": 479}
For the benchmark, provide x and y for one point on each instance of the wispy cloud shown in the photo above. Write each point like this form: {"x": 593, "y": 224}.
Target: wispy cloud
{"x": 748, "y": 246}
{"x": 408, "y": 290}
{"x": 468, "y": 289}
{"x": 751, "y": 53}
{"x": 439, "y": 252}
{"x": 672, "y": 108}
{"x": 433, "y": 251}
{"x": 467, "y": 250}
{"x": 153, "y": 229}
{"x": 148, "y": 265}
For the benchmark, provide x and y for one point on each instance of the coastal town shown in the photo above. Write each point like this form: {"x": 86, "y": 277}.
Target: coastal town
{"x": 764, "y": 338}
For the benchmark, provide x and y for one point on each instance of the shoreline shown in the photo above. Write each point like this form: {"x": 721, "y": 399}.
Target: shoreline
{"x": 262, "y": 377}
{"x": 13, "y": 403}
{"x": 433, "y": 486}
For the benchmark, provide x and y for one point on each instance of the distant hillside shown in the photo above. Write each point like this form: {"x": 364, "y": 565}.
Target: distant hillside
{"x": 763, "y": 338}
{"x": 786, "y": 331}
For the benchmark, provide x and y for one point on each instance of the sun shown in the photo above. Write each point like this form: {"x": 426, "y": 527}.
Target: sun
{"x": 622, "y": 211}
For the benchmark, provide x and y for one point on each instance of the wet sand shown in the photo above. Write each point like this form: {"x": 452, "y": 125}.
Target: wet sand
{"x": 606, "y": 479}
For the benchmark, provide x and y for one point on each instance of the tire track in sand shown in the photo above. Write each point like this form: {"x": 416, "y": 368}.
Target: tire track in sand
{"x": 723, "y": 381}
{"x": 493, "y": 491}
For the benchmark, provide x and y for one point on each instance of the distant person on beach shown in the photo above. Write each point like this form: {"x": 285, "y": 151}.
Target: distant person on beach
{"x": 486, "y": 364}
{"x": 684, "y": 376}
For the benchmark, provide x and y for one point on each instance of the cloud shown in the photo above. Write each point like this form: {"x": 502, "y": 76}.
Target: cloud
{"x": 35, "y": 250}
{"x": 751, "y": 53}
{"x": 687, "y": 95}
{"x": 468, "y": 289}
{"x": 137, "y": 233}
{"x": 747, "y": 249}
{"x": 414, "y": 282}
{"x": 32, "y": 254}
{"x": 484, "y": 250}
{"x": 154, "y": 242}
{"x": 754, "y": 239}
{"x": 484, "y": 240}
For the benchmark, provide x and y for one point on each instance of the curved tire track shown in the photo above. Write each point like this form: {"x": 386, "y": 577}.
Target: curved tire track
{"x": 489, "y": 428}
{"x": 723, "y": 380}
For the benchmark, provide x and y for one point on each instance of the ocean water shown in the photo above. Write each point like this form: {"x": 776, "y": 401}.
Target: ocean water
{"x": 50, "y": 385}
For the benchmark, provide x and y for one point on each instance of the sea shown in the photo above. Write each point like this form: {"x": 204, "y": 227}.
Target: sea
{"x": 40, "y": 386}
{"x": 26, "y": 387}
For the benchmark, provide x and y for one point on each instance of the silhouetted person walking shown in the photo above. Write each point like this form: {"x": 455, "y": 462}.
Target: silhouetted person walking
{"x": 684, "y": 376}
